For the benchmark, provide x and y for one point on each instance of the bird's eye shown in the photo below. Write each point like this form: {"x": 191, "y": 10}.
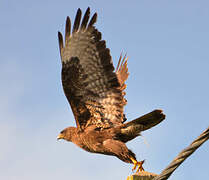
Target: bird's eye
{"x": 62, "y": 132}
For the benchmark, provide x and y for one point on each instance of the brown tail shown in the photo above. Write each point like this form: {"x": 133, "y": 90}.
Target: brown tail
{"x": 132, "y": 129}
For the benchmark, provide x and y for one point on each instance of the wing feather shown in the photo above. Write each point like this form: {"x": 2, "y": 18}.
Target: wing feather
{"x": 67, "y": 29}
{"x": 90, "y": 84}
{"x": 77, "y": 20}
{"x": 93, "y": 20}
{"x": 122, "y": 71}
{"x": 85, "y": 18}
{"x": 61, "y": 45}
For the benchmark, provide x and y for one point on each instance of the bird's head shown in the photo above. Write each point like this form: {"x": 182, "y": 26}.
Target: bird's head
{"x": 67, "y": 134}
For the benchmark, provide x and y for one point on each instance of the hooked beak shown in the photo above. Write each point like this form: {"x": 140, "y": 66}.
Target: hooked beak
{"x": 60, "y": 136}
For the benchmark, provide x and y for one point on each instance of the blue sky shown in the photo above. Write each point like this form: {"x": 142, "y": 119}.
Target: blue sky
{"x": 167, "y": 43}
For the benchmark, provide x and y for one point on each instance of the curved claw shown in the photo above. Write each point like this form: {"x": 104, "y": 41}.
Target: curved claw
{"x": 140, "y": 167}
{"x": 137, "y": 164}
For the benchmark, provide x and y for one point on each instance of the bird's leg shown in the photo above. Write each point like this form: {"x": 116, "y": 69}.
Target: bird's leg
{"x": 137, "y": 163}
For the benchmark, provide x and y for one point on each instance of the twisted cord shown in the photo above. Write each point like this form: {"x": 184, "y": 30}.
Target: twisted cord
{"x": 165, "y": 174}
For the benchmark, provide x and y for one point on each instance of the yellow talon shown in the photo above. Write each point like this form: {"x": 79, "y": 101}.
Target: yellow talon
{"x": 140, "y": 167}
{"x": 139, "y": 164}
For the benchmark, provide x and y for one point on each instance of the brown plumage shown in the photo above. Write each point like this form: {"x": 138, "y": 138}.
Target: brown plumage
{"x": 96, "y": 93}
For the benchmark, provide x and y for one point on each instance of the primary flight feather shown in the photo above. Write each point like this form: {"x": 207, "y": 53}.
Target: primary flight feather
{"x": 96, "y": 93}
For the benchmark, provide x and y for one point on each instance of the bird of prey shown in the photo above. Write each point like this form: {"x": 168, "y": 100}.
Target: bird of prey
{"x": 95, "y": 92}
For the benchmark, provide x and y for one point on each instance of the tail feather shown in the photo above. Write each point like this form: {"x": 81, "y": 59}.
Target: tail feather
{"x": 132, "y": 129}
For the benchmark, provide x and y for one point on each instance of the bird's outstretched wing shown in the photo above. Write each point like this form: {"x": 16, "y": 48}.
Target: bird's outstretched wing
{"x": 93, "y": 89}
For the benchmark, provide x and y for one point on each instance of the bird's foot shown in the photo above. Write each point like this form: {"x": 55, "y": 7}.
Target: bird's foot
{"x": 137, "y": 165}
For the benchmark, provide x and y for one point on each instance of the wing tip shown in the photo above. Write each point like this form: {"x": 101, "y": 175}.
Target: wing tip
{"x": 77, "y": 20}
{"x": 67, "y": 29}
{"x": 122, "y": 62}
{"x": 85, "y": 18}
{"x": 88, "y": 9}
{"x": 60, "y": 38}
{"x": 61, "y": 45}
{"x": 93, "y": 20}
{"x": 68, "y": 21}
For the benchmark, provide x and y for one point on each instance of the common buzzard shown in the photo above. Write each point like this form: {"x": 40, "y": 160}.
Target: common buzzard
{"x": 96, "y": 93}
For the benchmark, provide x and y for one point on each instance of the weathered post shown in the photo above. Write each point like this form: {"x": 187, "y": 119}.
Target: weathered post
{"x": 143, "y": 175}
